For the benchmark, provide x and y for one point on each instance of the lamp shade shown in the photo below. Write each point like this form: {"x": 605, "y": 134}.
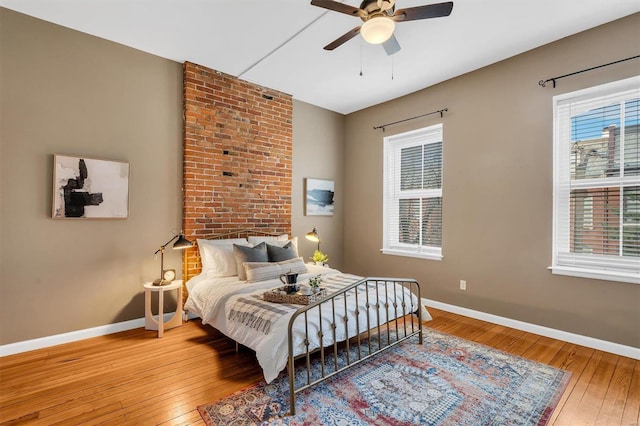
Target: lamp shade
{"x": 182, "y": 243}
{"x": 378, "y": 29}
{"x": 313, "y": 236}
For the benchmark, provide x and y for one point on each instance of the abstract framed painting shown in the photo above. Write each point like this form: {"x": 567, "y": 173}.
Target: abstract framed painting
{"x": 89, "y": 188}
{"x": 319, "y": 195}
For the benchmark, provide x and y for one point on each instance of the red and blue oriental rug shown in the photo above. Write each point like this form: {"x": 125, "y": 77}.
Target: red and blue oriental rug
{"x": 445, "y": 381}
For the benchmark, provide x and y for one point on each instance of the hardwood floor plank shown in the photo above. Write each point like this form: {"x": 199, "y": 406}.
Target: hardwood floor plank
{"x": 522, "y": 344}
{"x": 544, "y": 350}
{"x": 631, "y": 413}
{"x": 134, "y": 378}
{"x": 508, "y": 339}
{"x": 617, "y": 393}
{"x": 572, "y": 358}
{"x": 83, "y": 414}
{"x": 190, "y": 418}
{"x": 492, "y": 333}
{"x": 17, "y": 361}
{"x": 593, "y": 398}
{"x": 118, "y": 420}
{"x": 570, "y": 407}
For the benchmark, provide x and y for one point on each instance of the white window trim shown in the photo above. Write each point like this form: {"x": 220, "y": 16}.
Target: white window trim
{"x": 595, "y": 274}
{"x": 396, "y": 142}
{"x": 422, "y": 255}
{"x": 561, "y": 182}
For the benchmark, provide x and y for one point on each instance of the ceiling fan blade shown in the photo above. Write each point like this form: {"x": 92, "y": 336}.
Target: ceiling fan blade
{"x": 343, "y": 38}
{"x": 338, "y": 7}
{"x": 391, "y": 46}
{"x": 423, "y": 12}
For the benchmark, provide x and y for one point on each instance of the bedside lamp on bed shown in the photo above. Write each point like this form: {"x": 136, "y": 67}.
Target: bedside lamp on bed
{"x": 166, "y": 276}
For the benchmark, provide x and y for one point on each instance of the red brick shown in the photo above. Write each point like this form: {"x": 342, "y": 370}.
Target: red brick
{"x": 224, "y": 113}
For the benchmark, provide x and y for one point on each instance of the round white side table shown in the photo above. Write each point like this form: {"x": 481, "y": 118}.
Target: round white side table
{"x": 150, "y": 322}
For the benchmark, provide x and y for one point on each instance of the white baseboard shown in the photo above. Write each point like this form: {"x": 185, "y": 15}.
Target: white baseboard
{"x": 590, "y": 342}
{"x": 73, "y": 336}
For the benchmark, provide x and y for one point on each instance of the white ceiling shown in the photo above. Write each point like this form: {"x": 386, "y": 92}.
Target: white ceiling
{"x": 278, "y": 43}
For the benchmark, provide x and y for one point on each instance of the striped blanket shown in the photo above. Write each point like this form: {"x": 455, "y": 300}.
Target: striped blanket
{"x": 256, "y": 313}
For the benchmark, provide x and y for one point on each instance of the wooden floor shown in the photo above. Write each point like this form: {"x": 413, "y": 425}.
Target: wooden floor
{"x": 137, "y": 379}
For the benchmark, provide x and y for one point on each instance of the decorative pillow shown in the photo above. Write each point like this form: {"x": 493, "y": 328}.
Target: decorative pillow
{"x": 278, "y": 254}
{"x": 249, "y": 254}
{"x": 262, "y": 271}
{"x": 217, "y": 257}
{"x": 257, "y": 239}
{"x": 280, "y": 241}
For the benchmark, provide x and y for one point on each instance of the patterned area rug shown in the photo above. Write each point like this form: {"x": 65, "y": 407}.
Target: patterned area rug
{"x": 446, "y": 381}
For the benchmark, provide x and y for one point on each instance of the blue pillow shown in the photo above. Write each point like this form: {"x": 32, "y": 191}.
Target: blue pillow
{"x": 243, "y": 254}
{"x": 278, "y": 254}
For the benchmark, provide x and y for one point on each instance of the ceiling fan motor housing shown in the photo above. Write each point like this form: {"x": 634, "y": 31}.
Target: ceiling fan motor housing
{"x": 372, "y": 8}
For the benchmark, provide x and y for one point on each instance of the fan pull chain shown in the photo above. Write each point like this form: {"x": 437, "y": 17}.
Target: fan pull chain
{"x": 392, "y": 68}
{"x": 360, "y": 59}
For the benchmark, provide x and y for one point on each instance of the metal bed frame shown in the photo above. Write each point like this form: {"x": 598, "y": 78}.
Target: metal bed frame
{"x": 399, "y": 324}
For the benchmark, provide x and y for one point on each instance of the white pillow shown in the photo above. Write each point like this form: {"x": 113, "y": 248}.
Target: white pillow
{"x": 217, "y": 257}
{"x": 262, "y": 271}
{"x": 280, "y": 241}
{"x": 257, "y": 239}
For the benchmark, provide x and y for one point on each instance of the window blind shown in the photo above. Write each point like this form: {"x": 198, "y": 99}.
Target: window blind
{"x": 597, "y": 182}
{"x": 413, "y": 193}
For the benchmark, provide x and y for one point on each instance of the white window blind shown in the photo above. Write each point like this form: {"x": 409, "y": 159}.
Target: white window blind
{"x": 597, "y": 182}
{"x": 413, "y": 193}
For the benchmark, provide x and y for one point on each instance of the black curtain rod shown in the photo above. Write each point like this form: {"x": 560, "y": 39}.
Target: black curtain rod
{"x": 543, "y": 83}
{"x": 440, "y": 111}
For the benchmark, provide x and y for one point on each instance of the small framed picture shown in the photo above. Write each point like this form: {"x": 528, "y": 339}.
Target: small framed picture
{"x": 319, "y": 194}
{"x": 88, "y": 188}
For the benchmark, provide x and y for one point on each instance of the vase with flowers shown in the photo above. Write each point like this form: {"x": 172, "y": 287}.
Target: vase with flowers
{"x": 319, "y": 258}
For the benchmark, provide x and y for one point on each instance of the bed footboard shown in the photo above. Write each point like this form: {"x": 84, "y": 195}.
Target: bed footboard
{"x": 374, "y": 314}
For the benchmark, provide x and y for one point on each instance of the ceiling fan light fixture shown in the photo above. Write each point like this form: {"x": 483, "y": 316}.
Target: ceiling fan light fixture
{"x": 378, "y": 29}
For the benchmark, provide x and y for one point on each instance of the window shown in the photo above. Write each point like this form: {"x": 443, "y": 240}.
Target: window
{"x": 596, "y": 181}
{"x": 413, "y": 193}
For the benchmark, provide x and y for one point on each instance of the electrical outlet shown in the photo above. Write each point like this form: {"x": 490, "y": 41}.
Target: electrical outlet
{"x": 463, "y": 285}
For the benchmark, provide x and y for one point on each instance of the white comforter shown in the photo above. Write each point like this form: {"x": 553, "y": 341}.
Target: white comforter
{"x": 212, "y": 299}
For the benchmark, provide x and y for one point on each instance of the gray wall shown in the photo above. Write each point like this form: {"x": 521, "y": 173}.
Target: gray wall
{"x": 69, "y": 93}
{"x": 318, "y": 152}
{"x": 497, "y": 195}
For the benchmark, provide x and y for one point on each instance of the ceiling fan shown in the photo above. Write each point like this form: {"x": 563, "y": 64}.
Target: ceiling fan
{"x": 380, "y": 18}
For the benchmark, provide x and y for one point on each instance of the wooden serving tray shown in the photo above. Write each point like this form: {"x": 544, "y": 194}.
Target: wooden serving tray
{"x": 278, "y": 295}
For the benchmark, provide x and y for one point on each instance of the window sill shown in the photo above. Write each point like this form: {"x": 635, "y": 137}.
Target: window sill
{"x": 596, "y": 274}
{"x": 429, "y": 256}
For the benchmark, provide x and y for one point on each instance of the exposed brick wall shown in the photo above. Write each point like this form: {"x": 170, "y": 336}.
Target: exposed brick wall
{"x": 238, "y": 143}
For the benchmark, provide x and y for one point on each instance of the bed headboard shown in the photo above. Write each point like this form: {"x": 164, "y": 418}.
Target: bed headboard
{"x": 192, "y": 264}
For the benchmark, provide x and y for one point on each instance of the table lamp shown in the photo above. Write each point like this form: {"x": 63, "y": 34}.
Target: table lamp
{"x": 166, "y": 276}
{"x": 313, "y": 236}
